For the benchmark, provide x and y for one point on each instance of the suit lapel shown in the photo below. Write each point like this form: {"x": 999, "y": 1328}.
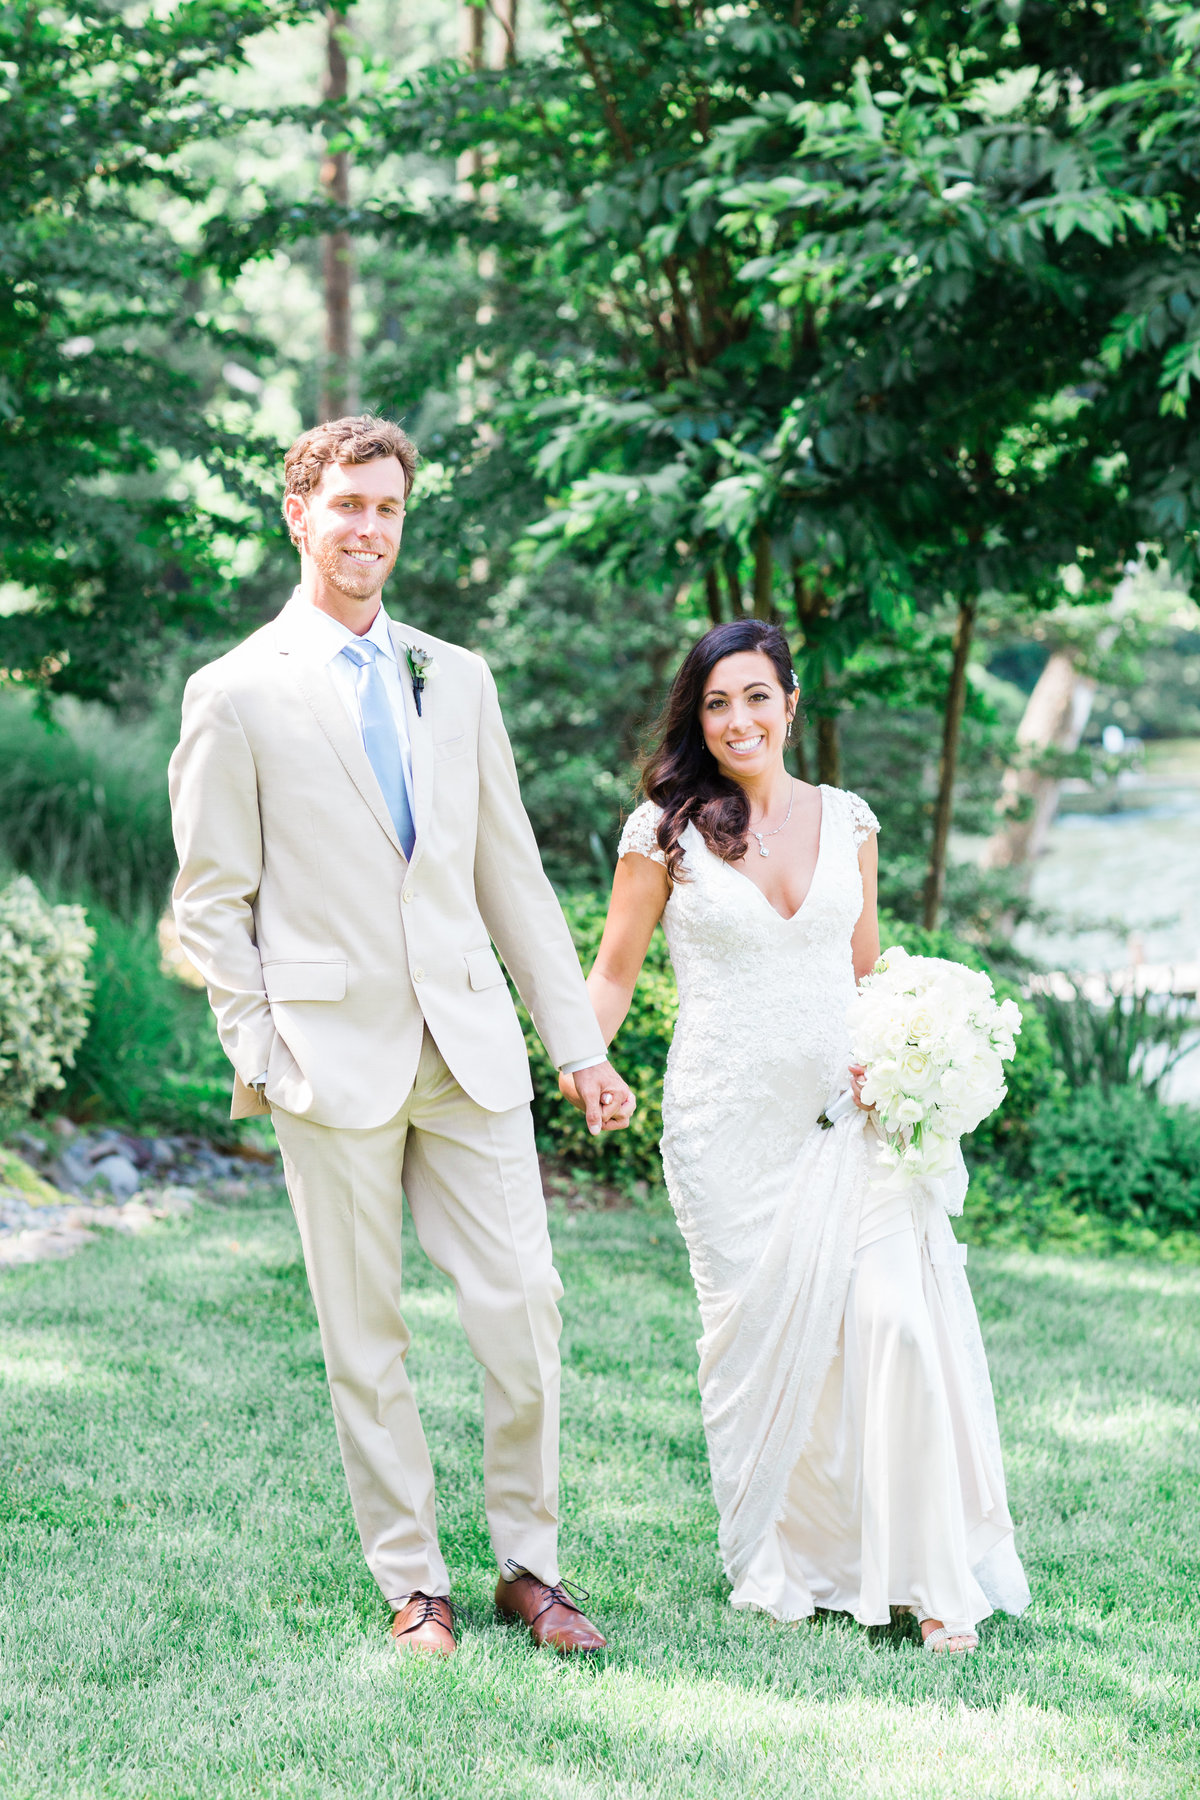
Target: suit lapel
{"x": 420, "y": 743}
{"x": 334, "y": 721}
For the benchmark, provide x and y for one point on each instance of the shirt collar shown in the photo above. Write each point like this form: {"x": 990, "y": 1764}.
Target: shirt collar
{"x": 326, "y": 638}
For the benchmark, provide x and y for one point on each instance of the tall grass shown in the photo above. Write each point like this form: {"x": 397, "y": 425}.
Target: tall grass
{"x": 83, "y": 803}
{"x": 151, "y": 1060}
{"x": 1122, "y": 1040}
{"x": 84, "y": 811}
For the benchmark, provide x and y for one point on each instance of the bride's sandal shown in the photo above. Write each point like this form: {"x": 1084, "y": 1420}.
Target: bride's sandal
{"x": 949, "y": 1643}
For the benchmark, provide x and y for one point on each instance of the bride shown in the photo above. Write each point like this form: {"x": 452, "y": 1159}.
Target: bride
{"x": 846, "y": 1400}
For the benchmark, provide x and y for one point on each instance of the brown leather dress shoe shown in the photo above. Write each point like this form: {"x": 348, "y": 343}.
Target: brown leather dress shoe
{"x": 550, "y": 1612}
{"x": 425, "y": 1622}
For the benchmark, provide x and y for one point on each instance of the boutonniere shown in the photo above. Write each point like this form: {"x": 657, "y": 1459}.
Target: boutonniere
{"x": 420, "y": 666}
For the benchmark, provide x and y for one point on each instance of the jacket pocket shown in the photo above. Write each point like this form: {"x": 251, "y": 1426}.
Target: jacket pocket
{"x": 305, "y": 980}
{"x": 483, "y": 969}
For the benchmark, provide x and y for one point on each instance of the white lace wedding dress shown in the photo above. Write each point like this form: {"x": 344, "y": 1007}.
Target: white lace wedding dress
{"x": 844, "y": 1389}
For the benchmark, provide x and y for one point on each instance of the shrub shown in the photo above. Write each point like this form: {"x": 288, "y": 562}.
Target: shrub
{"x": 151, "y": 1060}
{"x": 1121, "y": 1154}
{"x": 44, "y": 992}
{"x": 640, "y": 1052}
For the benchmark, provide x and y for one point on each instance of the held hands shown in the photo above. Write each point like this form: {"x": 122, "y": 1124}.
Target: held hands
{"x": 602, "y": 1097}
{"x": 858, "y": 1075}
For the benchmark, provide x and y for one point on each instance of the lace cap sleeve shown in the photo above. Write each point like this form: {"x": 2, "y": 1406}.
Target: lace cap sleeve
{"x": 862, "y": 820}
{"x": 639, "y": 833}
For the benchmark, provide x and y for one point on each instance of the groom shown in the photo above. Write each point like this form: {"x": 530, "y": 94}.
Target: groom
{"x": 350, "y": 837}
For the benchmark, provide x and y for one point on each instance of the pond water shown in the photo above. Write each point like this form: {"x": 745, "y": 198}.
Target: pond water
{"x": 1123, "y": 886}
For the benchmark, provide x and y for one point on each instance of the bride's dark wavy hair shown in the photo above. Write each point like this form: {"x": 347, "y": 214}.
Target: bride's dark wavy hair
{"x": 681, "y": 774}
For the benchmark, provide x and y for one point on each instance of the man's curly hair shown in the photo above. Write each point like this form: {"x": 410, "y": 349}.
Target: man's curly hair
{"x": 360, "y": 438}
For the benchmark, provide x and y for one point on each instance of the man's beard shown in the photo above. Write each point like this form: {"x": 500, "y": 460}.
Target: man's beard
{"x": 357, "y": 581}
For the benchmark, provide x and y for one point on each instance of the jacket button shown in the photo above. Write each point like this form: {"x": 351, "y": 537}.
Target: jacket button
{"x": 407, "y": 895}
{"x": 418, "y": 973}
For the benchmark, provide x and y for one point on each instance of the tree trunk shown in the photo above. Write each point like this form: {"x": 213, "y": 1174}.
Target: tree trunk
{"x": 829, "y": 751}
{"x": 506, "y": 18}
{"x": 733, "y": 580}
{"x": 763, "y": 574}
{"x": 812, "y": 609}
{"x": 339, "y": 387}
{"x": 1054, "y": 719}
{"x": 948, "y": 765}
{"x": 471, "y": 42}
{"x": 712, "y": 595}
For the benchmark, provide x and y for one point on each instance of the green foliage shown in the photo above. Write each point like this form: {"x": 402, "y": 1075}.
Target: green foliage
{"x": 151, "y": 1059}
{"x": 106, "y": 349}
{"x": 580, "y": 671}
{"x": 640, "y": 1050}
{"x": 44, "y": 993}
{"x": 1121, "y": 1154}
{"x": 892, "y": 690}
{"x": 1126, "y": 1040}
{"x": 83, "y": 803}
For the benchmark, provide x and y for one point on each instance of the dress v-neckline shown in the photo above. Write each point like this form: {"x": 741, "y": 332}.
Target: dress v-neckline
{"x": 785, "y": 918}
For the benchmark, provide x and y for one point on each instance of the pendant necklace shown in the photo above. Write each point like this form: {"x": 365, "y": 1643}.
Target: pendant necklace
{"x": 760, "y": 835}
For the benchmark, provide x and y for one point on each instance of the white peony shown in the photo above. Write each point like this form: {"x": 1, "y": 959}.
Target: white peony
{"x": 933, "y": 1040}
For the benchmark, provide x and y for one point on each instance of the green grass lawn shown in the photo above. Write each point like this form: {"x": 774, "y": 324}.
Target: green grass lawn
{"x": 184, "y": 1609}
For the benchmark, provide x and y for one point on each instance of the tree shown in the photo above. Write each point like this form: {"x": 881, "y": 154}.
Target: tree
{"x": 104, "y": 347}
{"x": 967, "y": 287}
{"x": 339, "y": 384}
{"x": 827, "y": 355}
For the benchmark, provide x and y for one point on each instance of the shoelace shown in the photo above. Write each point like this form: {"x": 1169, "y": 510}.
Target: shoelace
{"x": 561, "y": 1594}
{"x": 429, "y": 1610}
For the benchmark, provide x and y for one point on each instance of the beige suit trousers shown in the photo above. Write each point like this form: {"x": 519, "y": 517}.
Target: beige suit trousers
{"x": 474, "y": 1191}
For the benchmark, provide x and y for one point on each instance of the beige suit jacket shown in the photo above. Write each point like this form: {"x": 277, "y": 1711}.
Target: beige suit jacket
{"x": 325, "y": 952}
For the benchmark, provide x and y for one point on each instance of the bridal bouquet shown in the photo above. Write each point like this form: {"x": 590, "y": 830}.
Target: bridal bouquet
{"x": 933, "y": 1039}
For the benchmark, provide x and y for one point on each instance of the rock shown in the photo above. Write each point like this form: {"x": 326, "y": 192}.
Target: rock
{"x": 116, "y": 1172}
{"x": 133, "y": 1216}
{"x": 72, "y": 1168}
{"x": 230, "y": 1192}
{"x": 34, "y": 1246}
{"x": 63, "y": 1127}
{"x": 105, "y": 1140}
{"x": 172, "y": 1202}
{"x": 20, "y": 1181}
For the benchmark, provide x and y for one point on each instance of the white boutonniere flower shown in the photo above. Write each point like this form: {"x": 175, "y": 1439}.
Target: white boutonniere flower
{"x": 421, "y": 666}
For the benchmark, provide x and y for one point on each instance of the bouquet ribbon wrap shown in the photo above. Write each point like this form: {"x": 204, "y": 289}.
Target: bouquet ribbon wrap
{"x": 931, "y": 1194}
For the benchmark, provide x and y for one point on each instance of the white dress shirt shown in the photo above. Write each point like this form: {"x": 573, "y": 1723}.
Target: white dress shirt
{"x": 321, "y": 640}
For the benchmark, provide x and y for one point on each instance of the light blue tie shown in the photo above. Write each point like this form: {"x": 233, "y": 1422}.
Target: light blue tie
{"x": 380, "y": 740}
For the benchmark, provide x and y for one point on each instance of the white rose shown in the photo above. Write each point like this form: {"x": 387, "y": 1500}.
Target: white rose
{"x": 922, "y": 1026}
{"x": 915, "y": 1071}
